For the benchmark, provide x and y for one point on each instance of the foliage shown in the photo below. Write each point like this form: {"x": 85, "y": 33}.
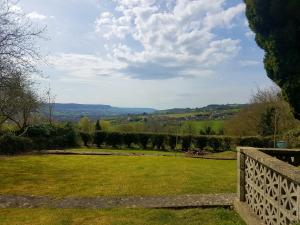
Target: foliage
{"x": 99, "y": 138}
{"x": 98, "y": 126}
{"x": 167, "y": 141}
{"x": 267, "y": 114}
{"x": 158, "y": 141}
{"x": 189, "y": 128}
{"x": 114, "y": 139}
{"x": 18, "y": 58}
{"x": 293, "y": 138}
{"x": 276, "y": 25}
{"x": 207, "y": 130}
{"x": 86, "y": 138}
{"x": 143, "y": 140}
{"x": 172, "y": 139}
{"x": 186, "y": 143}
{"x": 10, "y": 144}
{"x": 47, "y": 136}
{"x": 129, "y": 138}
{"x": 85, "y": 125}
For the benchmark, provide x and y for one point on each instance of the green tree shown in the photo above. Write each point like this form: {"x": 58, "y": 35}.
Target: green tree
{"x": 98, "y": 126}
{"x": 276, "y": 25}
{"x": 85, "y": 125}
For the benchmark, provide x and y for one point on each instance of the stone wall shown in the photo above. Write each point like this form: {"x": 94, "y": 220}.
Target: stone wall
{"x": 269, "y": 186}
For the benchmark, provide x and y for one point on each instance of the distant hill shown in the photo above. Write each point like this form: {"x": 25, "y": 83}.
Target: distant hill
{"x": 73, "y": 112}
{"x": 209, "y": 108}
{"x": 76, "y": 111}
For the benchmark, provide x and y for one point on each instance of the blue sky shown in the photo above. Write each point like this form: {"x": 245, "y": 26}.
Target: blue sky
{"x": 148, "y": 53}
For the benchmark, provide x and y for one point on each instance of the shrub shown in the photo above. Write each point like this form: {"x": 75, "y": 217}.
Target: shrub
{"x": 172, "y": 140}
{"x": 143, "y": 140}
{"x": 99, "y": 138}
{"x": 186, "y": 143}
{"x": 215, "y": 143}
{"x": 10, "y": 144}
{"x": 293, "y": 138}
{"x": 228, "y": 143}
{"x": 86, "y": 138}
{"x": 114, "y": 139}
{"x": 201, "y": 142}
{"x": 258, "y": 142}
{"x": 208, "y": 148}
{"x": 46, "y": 136}
{"x": 158, "y": 141}
{"x": 129, "y": 138}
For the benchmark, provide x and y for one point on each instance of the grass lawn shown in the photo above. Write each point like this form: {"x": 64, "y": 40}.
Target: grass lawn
{"x": 145, "y": 152}
{"x": 84, "y": 176}
{"x": 118, "y": 217}
{"x": 226, "y": 154}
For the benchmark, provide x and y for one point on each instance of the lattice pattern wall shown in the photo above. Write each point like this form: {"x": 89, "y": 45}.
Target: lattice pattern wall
{"x": 273, "y": 197}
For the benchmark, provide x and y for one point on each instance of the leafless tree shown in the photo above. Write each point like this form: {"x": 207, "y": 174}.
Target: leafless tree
{"x": 18, "y": 38}
{"x": 50, "y": 103}
{"x": 18, "y": 58}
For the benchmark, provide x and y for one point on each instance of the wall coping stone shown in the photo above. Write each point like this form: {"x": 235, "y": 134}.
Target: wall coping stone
{"x": 283, "y": 168}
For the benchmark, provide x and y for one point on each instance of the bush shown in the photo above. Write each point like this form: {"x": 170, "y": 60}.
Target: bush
{"x": 215, "y": 143}
{"x": 114, "y": 139}
{"x": 143, "y": 140}
{"x": 10, "y": 144}
{"x": 99, "y": 138}
{"x": 46, "y": 136}
{"x": 158, "y": 141}
{"x": 86, "y": 138}
{"x": 258, "y": 142}
{"x": 228, "y": 143}
{"x": 293, "y": 138}
{"x": 172, "y": 140}
{"x": 201, "y": 142}
{"x": 208, "y": 149}
{"x": 129, "y": 138}
{"x": 186, "y": 143}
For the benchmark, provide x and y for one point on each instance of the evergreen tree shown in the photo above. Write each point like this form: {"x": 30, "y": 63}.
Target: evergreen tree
{"x": 98, "y": 126}
{"x": 276, "y": 24}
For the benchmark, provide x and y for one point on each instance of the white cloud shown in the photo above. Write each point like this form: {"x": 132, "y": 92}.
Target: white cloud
{"x": 247, "y": 63}
{"x": 153, "y": 39}
{"x": 36, "y": 16}
{"x": 172, "y": 38}
{"x": 249, "y": 34}
{"x": 84, "y": 66}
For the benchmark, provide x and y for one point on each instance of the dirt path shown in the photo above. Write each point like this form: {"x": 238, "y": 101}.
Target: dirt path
{"x": 185, "y": 201}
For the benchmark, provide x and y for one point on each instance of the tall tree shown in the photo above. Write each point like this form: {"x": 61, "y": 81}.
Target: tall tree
{"x": 18, "y": 57}
{"x": 276, "y": 24}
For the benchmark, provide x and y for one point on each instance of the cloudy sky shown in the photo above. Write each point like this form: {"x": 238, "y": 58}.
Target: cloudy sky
{"x": 148, "y": 53}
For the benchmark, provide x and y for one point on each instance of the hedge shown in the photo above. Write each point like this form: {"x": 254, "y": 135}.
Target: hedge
{"x": 46, "y": 136}
{"x": 10, "y": 144}
{"x": 168, "y": 142}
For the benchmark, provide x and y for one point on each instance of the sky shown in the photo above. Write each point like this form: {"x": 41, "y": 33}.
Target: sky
{"x": 147, "y": 53}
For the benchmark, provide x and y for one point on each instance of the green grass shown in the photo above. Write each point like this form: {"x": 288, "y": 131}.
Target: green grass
{"x": 62, "y": 176}
{"x": 226, "y": 154}
{"x": 128, "y": 151}
{"x": 118, "y": 217}
{"x": 216, "y": 125}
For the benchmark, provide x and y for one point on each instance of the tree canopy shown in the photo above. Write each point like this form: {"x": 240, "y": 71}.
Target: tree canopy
{"x": 276, "y": 24}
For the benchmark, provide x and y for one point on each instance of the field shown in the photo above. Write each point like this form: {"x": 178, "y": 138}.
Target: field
{"x": 85, "y": 176}
{"x": 216, "y": 125}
